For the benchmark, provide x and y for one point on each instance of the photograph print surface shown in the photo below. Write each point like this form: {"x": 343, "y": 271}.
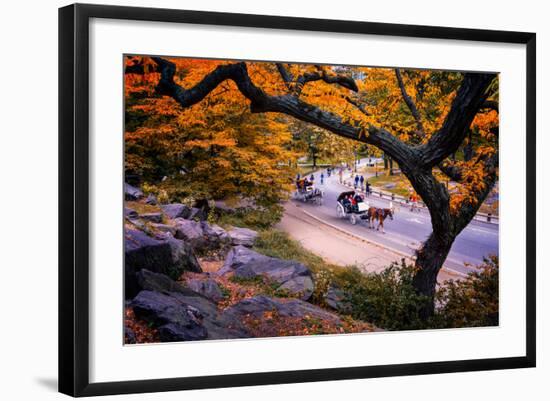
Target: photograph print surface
{"x": 268, "y": 199}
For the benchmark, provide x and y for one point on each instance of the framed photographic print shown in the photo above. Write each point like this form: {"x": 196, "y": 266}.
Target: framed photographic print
{"x": 249, "y": 199}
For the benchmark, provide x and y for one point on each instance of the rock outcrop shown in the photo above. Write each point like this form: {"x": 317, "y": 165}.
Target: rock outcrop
{"x": 175, "y": 210}
{"x": 242, "y": 236}
{"x": 208, "y": 288}
{"x": 180, "y": 317}
{"x": 201, "y": 235}
{"x": 293, "y": 277}
{"x": 132, "y": 193}
{"x": 166, "y": 256}
{"x": 258, "y": 305}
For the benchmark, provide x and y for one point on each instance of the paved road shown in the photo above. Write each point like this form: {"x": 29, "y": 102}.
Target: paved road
{"x": 408, "y": 229}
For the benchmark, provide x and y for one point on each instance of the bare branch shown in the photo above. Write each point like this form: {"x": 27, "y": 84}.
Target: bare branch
{"x": 296, "y": 85}
{"x": 409, "y": 102}
{"x": 285, "y": 75}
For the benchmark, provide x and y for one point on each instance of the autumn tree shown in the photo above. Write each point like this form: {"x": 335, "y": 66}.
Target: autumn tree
{"x": 418, "y": 118}
{"x": 215, "y": 149}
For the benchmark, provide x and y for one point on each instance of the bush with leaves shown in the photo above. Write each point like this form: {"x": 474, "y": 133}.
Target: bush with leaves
{"x": 387, "y": 299}
{"x": 473, "y": 301}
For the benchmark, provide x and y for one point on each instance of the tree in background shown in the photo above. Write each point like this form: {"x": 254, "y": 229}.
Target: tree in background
{"x": 418, "y": 118}
{"x": 216, "y": 149}
{"x": 319, "y": 144}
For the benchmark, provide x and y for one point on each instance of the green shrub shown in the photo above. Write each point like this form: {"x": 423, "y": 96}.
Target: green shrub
{"x": 473, "y": 301}
{"x": 389, "y": 300}
{"x": 259, "y": 218}
{"x": 386, "y": 299}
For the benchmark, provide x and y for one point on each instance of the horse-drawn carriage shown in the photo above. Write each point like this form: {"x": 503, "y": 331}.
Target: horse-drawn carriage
{"x": 352, "y": 205}
{"x": 307, "y": 192}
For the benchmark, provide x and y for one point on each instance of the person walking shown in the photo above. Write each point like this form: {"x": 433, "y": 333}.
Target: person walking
{"x": 312, "y": 178}
{"x": 356, "y": 181}
{"x": 414, "y": 202}
{"x": 322, "y": 178}
{"x": 362, "y": 180}
{"x": 367, "y": 189}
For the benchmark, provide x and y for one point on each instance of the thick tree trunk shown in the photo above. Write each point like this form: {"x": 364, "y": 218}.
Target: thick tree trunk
{"x": 430, "y": 259}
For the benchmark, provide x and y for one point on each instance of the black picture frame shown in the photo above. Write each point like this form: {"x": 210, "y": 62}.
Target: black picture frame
{"x": 74, "y": 198}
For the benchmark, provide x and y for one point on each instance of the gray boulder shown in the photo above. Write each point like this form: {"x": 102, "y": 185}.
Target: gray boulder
{"x": 201, "y": 235}
{"x": 175, "y": 210}
{"x": 175, "y": 320}
{"x": 151, "y": 199}
{"x": 198, "y": 214}
{"x": 292, "y": 277}
{"x": 239, "y": 256}
{"x": 191, "y": 231}
{"x": 337, "y": 299}
{"x": 167, "y": 256}
{"x": 164, "y": 228}
{"x": 207, "y": 288}
{"x": 183, "y": 257}
{"x": 130, "y": 213}
{"x": 217, "y": 236}
{"x": 152, "y": 217}
{"x": 132, "y": 193}
{"x": 151, "y": 281}
{"x": 183, "y": 318}
{"x": 242, "y": 236}
{"x": 258, "y": 305}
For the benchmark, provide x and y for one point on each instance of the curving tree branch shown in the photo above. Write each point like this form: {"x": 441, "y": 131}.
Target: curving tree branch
{"x": 409, "y": 102}
{"x": 287, "y": 104}
{"x": 297, "y": 84}
{"x": 469, "y": 98}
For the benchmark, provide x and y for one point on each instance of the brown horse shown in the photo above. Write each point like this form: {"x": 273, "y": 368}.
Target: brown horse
{"x": 374, "y": 214}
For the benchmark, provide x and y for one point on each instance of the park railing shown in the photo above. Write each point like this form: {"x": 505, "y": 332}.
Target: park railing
{"x": 401, "y": 200}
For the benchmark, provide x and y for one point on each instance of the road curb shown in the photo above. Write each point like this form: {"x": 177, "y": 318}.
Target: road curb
{"x": 375, "y": 243}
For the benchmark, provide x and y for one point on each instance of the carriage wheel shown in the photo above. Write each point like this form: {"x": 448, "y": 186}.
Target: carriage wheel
{"x": 353, "y": 219}
{"x": 340, "y": 211}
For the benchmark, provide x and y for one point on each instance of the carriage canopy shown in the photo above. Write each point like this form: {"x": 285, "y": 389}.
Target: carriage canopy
{"x": 345, "y": 194}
